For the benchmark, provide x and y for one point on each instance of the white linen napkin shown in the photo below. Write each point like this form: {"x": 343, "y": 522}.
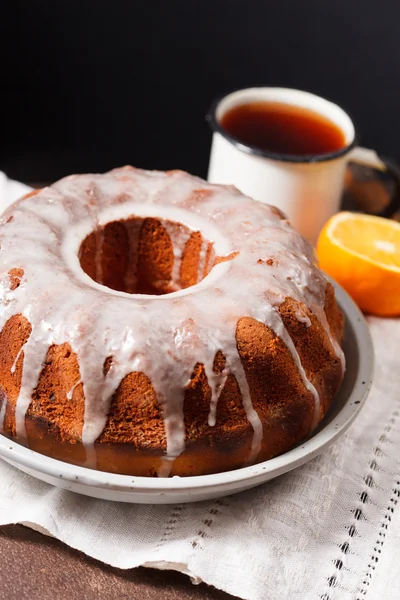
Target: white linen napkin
{"x": 10, "y": 191}
{"x": 329, "y": 530}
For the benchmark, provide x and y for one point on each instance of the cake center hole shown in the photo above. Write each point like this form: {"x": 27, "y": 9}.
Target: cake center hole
{"x": 146, "y": 256}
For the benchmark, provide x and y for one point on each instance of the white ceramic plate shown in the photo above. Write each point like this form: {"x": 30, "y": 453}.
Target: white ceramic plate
{"x": 347, "y": 404}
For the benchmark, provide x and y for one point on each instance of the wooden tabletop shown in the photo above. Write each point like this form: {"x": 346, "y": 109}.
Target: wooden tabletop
{"x": 36, "y": 567}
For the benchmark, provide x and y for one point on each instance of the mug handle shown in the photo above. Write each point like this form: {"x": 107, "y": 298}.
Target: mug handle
{"x": 367, "y": 158}
{"x": 374, "y": 182}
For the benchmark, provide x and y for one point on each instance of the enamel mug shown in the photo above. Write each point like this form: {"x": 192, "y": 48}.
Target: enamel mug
{"x": 307, "y": 188}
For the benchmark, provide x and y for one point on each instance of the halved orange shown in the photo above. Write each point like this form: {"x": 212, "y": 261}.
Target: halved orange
{"x": 362, "y": 253}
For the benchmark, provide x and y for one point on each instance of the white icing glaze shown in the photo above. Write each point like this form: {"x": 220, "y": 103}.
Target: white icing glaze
{"x": 161, "y": 336}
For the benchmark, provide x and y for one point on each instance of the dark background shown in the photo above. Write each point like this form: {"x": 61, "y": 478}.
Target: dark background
{"x": 93, "y": 84}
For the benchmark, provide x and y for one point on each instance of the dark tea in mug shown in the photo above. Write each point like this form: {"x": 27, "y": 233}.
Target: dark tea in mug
{"x": 279, "y": 128}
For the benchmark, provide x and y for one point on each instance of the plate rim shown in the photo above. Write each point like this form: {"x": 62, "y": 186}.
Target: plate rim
{"x": 249, "y": 476}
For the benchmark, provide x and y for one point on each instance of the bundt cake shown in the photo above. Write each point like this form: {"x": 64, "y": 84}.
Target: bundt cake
{"x": 153, "y": 324}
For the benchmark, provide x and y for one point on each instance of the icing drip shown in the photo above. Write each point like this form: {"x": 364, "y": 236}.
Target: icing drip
{"x": 133, "y": 231}
{"x": 164, "y": 336}
{"x": 251, "y": 414}
{"x": 14, "y": 366}
{"x": 216, "y": 383}
{"x": 302, "y": 318}
{"x": 2, "y": 412}
{"x": 33, "y": 362}
{"x": 99, "y": 255}
{"x": 202, "y": 259}
{"x": 179, "y": 237}
{"x": 286, "y": 339}
{"x": 71, "y": 391}
{"x": 336, "y": 346}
